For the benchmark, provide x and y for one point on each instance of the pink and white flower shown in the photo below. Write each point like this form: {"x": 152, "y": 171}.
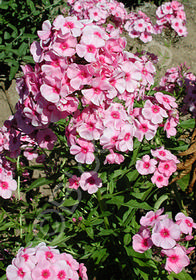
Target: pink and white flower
{"x": 165, "y": 233}
{"x": 89, "y": 181}
{"x": 146, "y": 165}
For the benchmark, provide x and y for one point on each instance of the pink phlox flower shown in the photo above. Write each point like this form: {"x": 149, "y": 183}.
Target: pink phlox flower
{"x": 126, "y": 138}
{"x": 74, "y": 182}
{"x": 65, "y": 46}
{"x": 91, "y": 128}
{"x": 186, "y": 223}
{"x": 182, "y": 31}
{"x": 142, "y": 240}
{"x": 62, "y": 270}
{"x": 167, "y": 167}
{"x": 153, "y": 112}
{"x": 90, "y": 182}
{"x": 54, "y": 66}
{"x": 45, "y": 253}
{"x": 82, "y": 272}
{"x": 132, "y": 75}
{"x": 146, "y": 165}
{"x": 169, "y": 127}
{"x": 74, "y": 265}
{"x": 7, "y": 185}
{"x": 67, "y": 106}
{"x": 163, "y": 154}
{"x": 51, "y": 90}
{"x": 147, "y": 71}
{"x": 45, "y": 33}
{"x": 46, "y": 138}
{"x": 37, "y": 52}
{"x": 18, "y": 273}
{"x": 145, "y": 37}
{"x": 83, "y": 151}
{"x": 96, "y": 14}
{"x": 89, "y": 52}
{"x": 115, "y": 116}
{"x": 176, "y": 259}
{"x": 25, "y": 257}
{"x": 165, "y": 233}
{"x": 109, "y": 138}
{"x": 159, "y": 179}
{"x": 93, "y": 38}
{"x": 144, "y": 128}
{"x": 68, "y": 25}
{"x": 78, "y": 75}
{"x": 166, "y": 100}
{"x": 114, "y": 158}
{"x": 43, "y": 270}
{"x": 97, "y": 94}
{"x": 151, "y": 218}
{"x": 139, "y": 25}
{"x": 166, "y": 8}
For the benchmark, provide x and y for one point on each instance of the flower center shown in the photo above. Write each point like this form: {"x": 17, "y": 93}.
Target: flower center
{"x": 91, "y": 181}
{"x": 45, "y": 273}
{"x": 173, "y": 258}
{"x": 146, "y": 165}
{"x": 155, "y": 109}
{"x": 84, "y": 150}
{"x": 164, "y": 233}
{"x": 4, "y": 185}
{"x": 21, "y": 273}
{"x": 144, "y": 127}
{"x": 49, "y": 255}
{"x": 115, "y": 115}
{"x": 61, "y": 274}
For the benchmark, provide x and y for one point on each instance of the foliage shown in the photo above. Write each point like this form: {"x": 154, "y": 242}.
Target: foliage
{"x": 19, "y": 22}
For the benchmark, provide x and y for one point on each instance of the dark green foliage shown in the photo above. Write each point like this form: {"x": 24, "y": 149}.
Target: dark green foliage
{"x": 19, "y": 22}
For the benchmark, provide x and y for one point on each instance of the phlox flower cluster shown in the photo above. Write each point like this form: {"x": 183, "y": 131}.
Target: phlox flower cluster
{"x": 84, "y": 75}
{"x": 166, "y": 237}
{"x": 162, "y": 166}
{"x": 44, "y": 262}
{"x": 138, "y": 24}
{"x": 176, "y": 77}
{"x": 171, "y": 15}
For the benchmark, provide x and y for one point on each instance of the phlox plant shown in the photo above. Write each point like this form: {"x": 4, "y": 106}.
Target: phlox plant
{"x": 104, "y": 136}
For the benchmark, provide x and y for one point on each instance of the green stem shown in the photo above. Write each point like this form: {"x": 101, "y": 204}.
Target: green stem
{"x": 101, "y": 205}
{"x": 19, "y": 197}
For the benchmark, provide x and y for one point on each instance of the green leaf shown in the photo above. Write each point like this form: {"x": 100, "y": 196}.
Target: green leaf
{"x": 3, "y": 277}
{"x": 132, "y": 175}
{"x": 160, "y": 201}
{"x": 15, "y": 30}
{"x": 127, "y": 238}
{"x": 188, "y": 124}
{"x": 181, "y": 276}
{"x": 13, "y": 71}
{"x": 31, "y": 5}
{"x": 90, "y": 232}
{"x": 140, "y": 205}
{"x": 7, "y": 35}
{"x": 110, "y": 186}
{"x": 22, "y": 49}
{"x": 117, "y": 200}
{"x": 60, "y": 238}
{"x": 106, "y": 232}
{"x": 40, "y": 182}
{"x": 184, "y": 182}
